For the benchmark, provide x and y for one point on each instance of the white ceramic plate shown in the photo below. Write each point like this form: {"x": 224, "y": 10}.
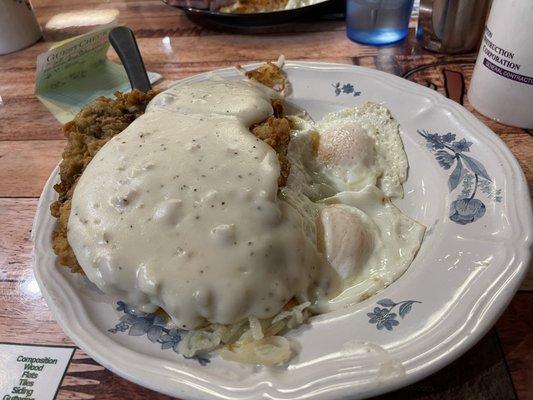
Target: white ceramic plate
{"x": 471, "y": 262}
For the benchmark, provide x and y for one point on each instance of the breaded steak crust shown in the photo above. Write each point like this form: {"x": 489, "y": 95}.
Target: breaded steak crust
{"x": 94, "y": 125}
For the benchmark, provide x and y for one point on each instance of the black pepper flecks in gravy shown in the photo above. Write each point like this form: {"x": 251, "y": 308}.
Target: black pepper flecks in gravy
{"x": 181, "y": 211}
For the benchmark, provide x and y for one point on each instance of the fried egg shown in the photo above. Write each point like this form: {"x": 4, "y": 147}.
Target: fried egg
{"x": 352, "y": 148}
{"x": 367, "y": 240}
{"x": 349, "y": 165}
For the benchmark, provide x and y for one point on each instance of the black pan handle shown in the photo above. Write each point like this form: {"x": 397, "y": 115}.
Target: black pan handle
{"x": 123, "y": 41}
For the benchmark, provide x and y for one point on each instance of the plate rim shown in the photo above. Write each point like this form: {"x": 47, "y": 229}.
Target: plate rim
{"x": 504, "y": 296}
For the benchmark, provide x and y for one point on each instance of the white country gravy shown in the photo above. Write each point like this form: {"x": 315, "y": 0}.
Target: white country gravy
{"x": 180, "y": 211}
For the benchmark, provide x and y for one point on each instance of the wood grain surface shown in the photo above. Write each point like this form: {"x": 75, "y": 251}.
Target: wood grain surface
{"x": 31, "y": 143}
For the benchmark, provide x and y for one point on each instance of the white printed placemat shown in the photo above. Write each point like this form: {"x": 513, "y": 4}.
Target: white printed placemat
{"x": 32, "y": 371}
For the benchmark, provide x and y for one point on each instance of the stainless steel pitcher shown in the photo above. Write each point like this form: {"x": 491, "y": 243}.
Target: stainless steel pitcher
{"x": 452, "y": 26}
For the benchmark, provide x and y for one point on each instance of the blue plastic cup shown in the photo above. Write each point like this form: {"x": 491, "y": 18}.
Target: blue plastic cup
{"x": 377, "y": 22}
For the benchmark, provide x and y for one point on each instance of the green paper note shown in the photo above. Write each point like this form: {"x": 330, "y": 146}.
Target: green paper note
{"x": 77, "y": 71}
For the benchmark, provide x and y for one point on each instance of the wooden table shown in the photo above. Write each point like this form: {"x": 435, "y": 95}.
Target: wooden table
{"x": 31, "y": 143}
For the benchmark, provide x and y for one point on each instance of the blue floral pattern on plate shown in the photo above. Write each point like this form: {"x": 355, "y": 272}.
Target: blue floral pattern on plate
{"x": 345, "y": 88}
{"x": 467, "y": 171}
{"x": 153, "y": 326}
{"x": 385, "y": 318}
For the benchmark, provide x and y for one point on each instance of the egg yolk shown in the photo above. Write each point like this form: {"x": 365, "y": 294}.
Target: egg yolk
{"x": 346, "y": 145}
{"x": 344, "y": 239}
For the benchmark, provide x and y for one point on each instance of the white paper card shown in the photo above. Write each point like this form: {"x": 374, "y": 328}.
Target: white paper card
{"x": 32, "y": 372}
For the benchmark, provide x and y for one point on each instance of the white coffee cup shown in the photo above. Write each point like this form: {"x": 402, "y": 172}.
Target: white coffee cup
{"x": 502, "y": 82}
{"x": 18, "y": 26}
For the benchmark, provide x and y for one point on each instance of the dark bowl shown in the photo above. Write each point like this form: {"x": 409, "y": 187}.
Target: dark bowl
{"x": 261, "y": 22}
